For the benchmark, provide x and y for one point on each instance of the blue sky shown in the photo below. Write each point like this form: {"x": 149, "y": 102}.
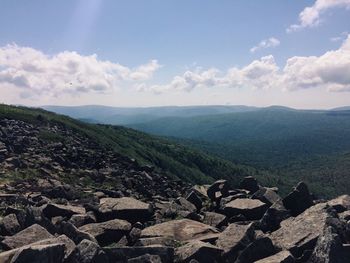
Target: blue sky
{"x": 181, "y": 52}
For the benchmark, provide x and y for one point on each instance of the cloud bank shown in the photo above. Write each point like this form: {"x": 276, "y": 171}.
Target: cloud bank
{"x": 36, "y": 73}
{"x": 311, "y": 16}
{"x": 330, "y": 71}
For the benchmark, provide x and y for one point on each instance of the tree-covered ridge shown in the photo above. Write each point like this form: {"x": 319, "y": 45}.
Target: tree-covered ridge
{"x": 292, "y": 144}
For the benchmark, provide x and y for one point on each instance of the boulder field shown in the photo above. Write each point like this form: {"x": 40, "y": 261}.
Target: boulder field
{"x": 144, "y": 216}
{"x": 235, "y": 225}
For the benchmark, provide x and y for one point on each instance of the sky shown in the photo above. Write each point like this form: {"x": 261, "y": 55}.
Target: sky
{"x": 175, "y": 52}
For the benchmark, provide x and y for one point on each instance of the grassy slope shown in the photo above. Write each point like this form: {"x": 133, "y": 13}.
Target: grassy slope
{"x": 176, "y": 160}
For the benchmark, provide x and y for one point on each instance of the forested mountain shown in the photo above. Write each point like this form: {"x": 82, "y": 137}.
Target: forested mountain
{"x": 312, "y": 145}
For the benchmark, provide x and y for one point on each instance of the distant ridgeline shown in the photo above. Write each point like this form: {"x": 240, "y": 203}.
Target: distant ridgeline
{"x": 292, "y": 145}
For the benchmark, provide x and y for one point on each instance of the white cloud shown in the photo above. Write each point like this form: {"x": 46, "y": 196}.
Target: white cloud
{"x": 311, "y": 16}
{"x": 341, "y": 37}
{"x": 33, "y": 74}
{"x": 266, "y": 43}
{"x": 36, "y": 73}
{"x": 330, "y": 71}
{"x": 258, "y": 74}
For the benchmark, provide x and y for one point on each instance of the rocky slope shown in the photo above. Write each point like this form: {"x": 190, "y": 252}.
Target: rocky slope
{"x": 77, "y": 201}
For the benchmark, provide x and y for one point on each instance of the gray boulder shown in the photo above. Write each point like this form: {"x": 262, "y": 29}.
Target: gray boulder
{"x": 107, "y": 232}
{"x": 298, "y": 200}
{"x": 9, "y": 225}
{"x": 126, "y": 208}
{"x": 218, "y": 189}
{"x": 198, "y": 250}
{"x": 123, "y": 254}
{"x": 249, "y": 183}
{"x": 214, "y": 219}
{"x": 341, "y": 203}
{"x": 300, "y": 233}
{"x": 252, "y": 209}
{"x": 27, "y": 236}
{"x": 258, "y": 249}
{"x": 280, "y": 257}
{"x": 36, "y": 254}
{"x": 87, "y": 252}
{"x": 329, "y": 249}
{"x": 181, "y": 230}
{"x": 235, "y": 238}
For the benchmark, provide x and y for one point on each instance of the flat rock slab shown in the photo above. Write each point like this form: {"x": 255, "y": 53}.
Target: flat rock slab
{"x": 107, "y": 232}
{"x": 38, "y": 254}
{"x": 252, "y": 209}
{"x": 301, "y": 232}
{"x": 68, "y": 246}
{"x": 52, "y": 210}
{"x": 234, "y": 238}
{"x": 281, "y": 257}
{"x": 181, "y": 230}
{"x": 126, "y": 208}
{"x": 198, "y": 250}
{"x": 122, "y": 254}
{"x": 27, "y": 236}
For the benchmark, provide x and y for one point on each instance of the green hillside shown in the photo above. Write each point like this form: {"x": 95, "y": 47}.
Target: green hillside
{"x": 172, "y": 158}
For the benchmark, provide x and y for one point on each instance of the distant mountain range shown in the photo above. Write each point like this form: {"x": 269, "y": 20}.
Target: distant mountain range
{"x": 309, "y": 145}
{"x": 122, "y": 116}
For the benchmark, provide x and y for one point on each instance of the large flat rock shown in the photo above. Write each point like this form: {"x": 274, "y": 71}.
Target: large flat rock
{"x": 52, "y": 210}
{"x": 63, "y": 240}
{"x": 27, "y": 236}
{"x": 181, "y": 230}
{"x": 107, "y": 232}
{"x": 252, "y": 209}
{"x": 299, "y": 233}
{"x": 126, "y": 208}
